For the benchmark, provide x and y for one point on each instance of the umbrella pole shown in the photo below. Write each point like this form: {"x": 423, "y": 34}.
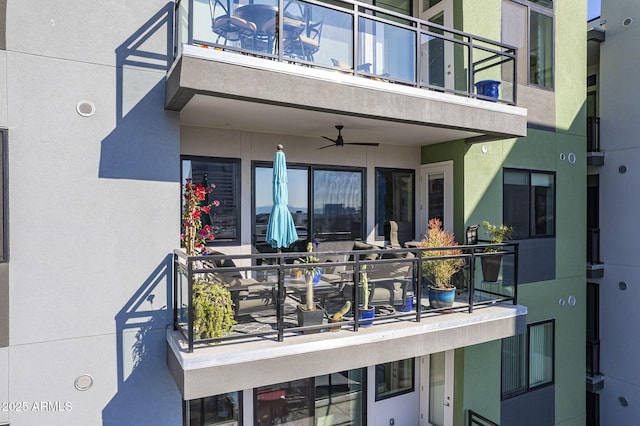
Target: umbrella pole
{"x": 281, "y": 296}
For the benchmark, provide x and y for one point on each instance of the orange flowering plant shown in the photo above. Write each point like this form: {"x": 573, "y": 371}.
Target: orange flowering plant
{"x": 439, "y": 272}
{"x": 194, "y": 234}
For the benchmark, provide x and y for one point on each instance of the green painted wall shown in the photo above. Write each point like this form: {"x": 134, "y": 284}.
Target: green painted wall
{"x": 478, "y": 196}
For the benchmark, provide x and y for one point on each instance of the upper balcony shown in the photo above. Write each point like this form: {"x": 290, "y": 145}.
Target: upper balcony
{"x": 594, "y": 156}
{"x": 267, "y": 291}
{"x": 307, "y": 65}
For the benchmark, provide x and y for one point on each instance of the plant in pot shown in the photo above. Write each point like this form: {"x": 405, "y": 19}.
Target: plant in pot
{"x": 491, "y": 264}
{"x": 213, "y": 308}
{"x": 213, "y": 313}
{"x": 309, "y": 313}
{"x": 365, "y": 312}
{"x": 194, "y": 235}
{"x": 439, "y": 272}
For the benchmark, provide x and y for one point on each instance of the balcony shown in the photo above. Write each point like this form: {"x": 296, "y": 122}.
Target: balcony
{"x": 266, "y": 291}
{"x": 595, "y": 379}
{"x": 363, "y": 63}
{"x": 595, "y": 268}
{"x": 594, "y": 156}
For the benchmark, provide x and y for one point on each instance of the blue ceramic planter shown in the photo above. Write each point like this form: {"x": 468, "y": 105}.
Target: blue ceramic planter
{"x": 366, "y": 314}
{"x": 488, "y": 88}
{"x": 441, "y": 298}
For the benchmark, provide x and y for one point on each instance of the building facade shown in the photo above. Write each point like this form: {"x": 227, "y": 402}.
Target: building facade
{"x": 122, "y": 102}
{"x": 612, "y": 381}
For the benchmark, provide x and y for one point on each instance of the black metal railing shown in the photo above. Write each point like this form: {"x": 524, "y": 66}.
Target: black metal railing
{"x": 357, "y": 38}
{"x": 264, "y": 286}
{"x": 593, "y": 134}
{"x": 475, "y": 419}
{"x": 593, "y": 246}
{"x": 593, "y": 357}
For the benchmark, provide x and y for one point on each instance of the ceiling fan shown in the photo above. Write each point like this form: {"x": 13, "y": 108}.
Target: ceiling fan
{"x": 340, "y": 142}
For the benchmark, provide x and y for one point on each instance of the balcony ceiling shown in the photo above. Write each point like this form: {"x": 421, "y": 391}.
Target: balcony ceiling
{"x": 219, "y": 89}
{"x": 207, "y": 111}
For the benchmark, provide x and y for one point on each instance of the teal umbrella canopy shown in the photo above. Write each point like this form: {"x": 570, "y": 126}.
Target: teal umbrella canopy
{"x": 281, "y": 231}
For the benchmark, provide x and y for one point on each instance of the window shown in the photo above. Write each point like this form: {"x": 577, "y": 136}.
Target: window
{"x": 213, "y": 410}
{"x": 529, "y": 203}
{"x": 224, "y": 173}
{"x": 331, "y": 399}
{"x": 394, "y": 378}
{"x": 395, "y": 200}
{"x": 4, "y": 243}
{"x": 538, "y": 17}
{"x": 528, "y": 359}
{"x": 326, "y": 203}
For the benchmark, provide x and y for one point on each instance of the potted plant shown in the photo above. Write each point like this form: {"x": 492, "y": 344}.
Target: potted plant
{"x": 309, "y": 314}
{"x": 194, "y": 235}
{"x": 439, "y": 272}
{"x": 337, "y": 317}
{"x": 213, "y": 308}
{"x": 365, "y": 312}
{"x": 491, "y": 264}
{"x": 213, "y": 313}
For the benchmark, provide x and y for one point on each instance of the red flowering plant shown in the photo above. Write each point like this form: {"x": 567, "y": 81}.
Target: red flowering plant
{"x": 194, "y": 234}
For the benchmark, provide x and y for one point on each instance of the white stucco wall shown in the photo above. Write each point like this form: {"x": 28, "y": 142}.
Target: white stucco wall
{"x": 619, "y": 204}
{"x": 93, "y": 207}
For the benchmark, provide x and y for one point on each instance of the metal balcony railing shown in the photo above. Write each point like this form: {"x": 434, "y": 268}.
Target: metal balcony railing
{"x": 352, "y": 37}
{"x": 593, "y": 246}
{"x": 593, "y": 358}
{"x": 475, "y": 419}
{"x": 593, "y": 134}
{"x": 268, "y": 285}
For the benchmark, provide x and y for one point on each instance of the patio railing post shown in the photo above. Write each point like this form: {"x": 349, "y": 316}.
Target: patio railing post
{"x": 472, "y": 279}
{"x": 356, "y": 293}
{"x": 190, "y": 303}
{"x": 419, "y": 289}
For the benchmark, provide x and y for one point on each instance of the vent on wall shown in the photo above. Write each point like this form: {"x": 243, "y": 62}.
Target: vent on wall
{"x": 627, "y": 21}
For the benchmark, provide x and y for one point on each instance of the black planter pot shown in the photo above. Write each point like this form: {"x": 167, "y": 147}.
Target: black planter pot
{"x": 491, "y": 268}
{"x": 307, "y": 318}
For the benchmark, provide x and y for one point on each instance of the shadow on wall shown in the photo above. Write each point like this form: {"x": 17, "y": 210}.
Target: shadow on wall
{"x": 145, "y": 143}
{"x": 146, "y": 391}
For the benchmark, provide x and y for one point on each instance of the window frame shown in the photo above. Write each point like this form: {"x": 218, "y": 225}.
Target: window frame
{"x": 529, "y": 217}
{"x": 391, "y": 393}
{"x": 186, "y": 409}
{"x": 311, "y": 169}
{"x": 550, "y": 12}
{"x": 378, "y": 220}
{"x": 4, "y": 185}
{"x": 237, "y": 191}
{"x": 527, "y": 362}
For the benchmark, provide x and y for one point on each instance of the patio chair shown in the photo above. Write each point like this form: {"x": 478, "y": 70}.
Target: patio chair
{"x": 391, "y": 234}
{"x": 248, "y": 294}
{"x": 307, "y": 44}
{"x": 231, "y": 28}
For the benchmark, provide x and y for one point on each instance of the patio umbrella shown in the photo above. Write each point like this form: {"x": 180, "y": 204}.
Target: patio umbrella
{"x": 281, "y": 231}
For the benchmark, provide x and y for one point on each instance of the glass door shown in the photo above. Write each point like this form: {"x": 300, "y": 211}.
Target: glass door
{"x": 437, "y": 54}
{"x": 436, "y": 195}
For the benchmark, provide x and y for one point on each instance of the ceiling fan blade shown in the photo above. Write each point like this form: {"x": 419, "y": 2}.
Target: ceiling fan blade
{"x": 329, "y": 139}
{"x": 362, "y": 143}
{"x": 328, "y": 146}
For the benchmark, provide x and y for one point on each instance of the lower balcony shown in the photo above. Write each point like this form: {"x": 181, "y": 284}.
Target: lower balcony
{"x": 268, "y": 289}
